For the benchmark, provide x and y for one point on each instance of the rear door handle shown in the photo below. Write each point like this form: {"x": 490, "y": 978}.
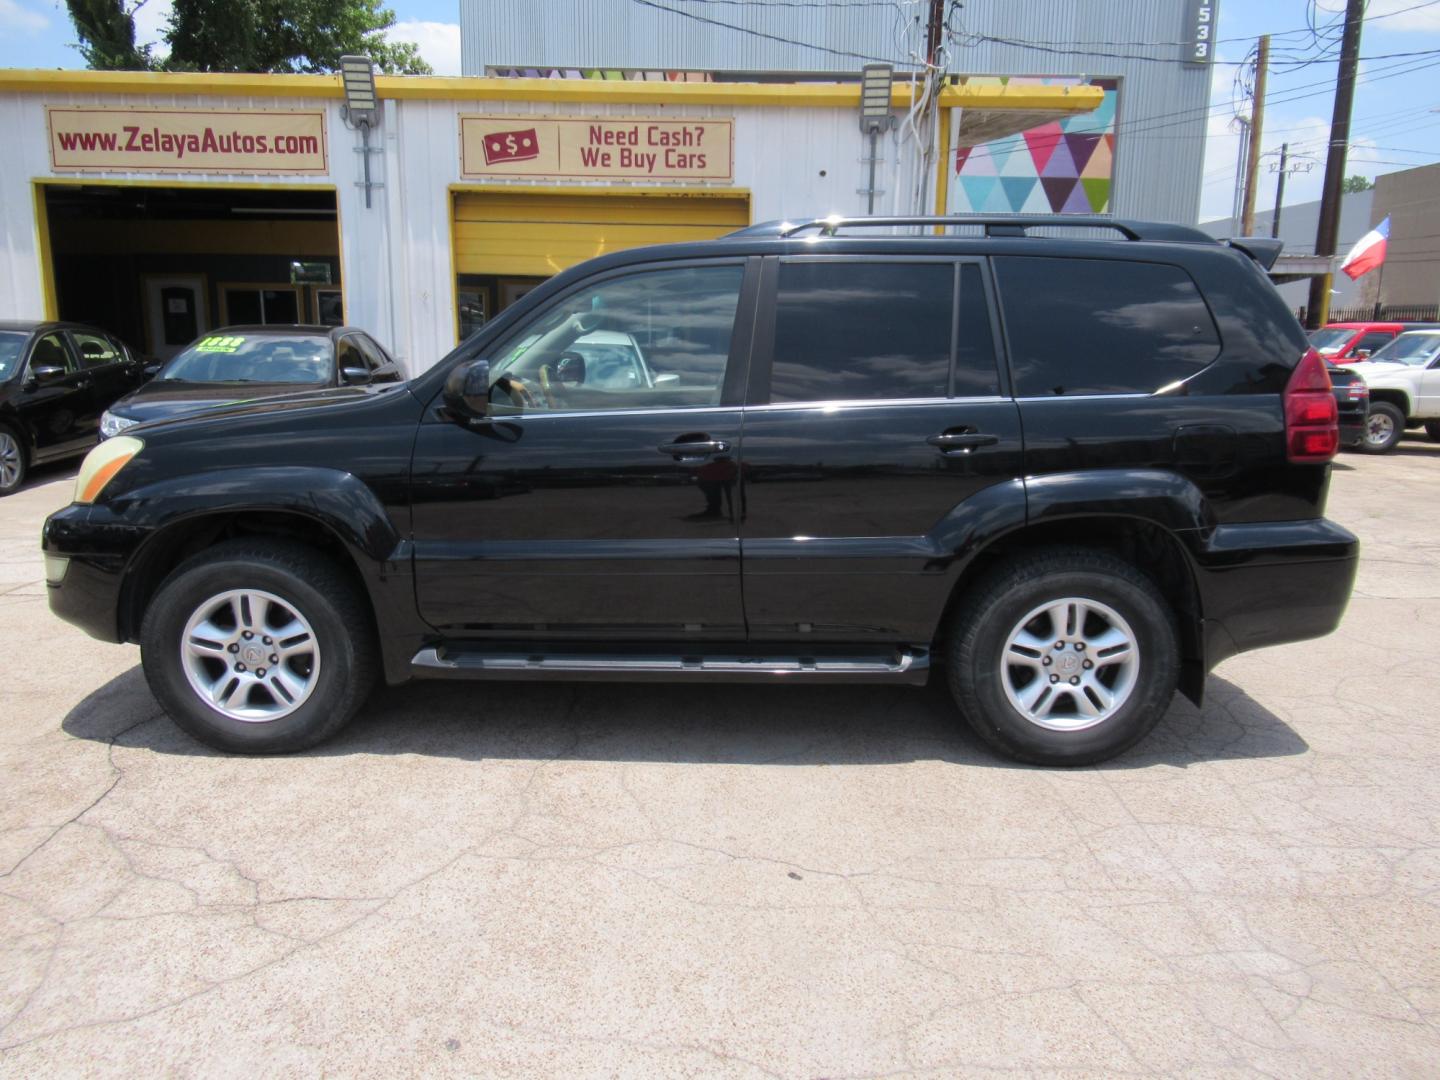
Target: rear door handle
{"x": 961, "y": 442}
{"x": 699, "y": 448}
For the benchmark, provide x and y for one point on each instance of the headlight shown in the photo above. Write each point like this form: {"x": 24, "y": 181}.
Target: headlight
{"x": 111, "y": 425}
{"x": 101, "y": 465}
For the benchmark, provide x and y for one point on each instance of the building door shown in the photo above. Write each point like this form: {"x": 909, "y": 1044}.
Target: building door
{"x": 175, "y": 313}
{"x": 507, "y": 242}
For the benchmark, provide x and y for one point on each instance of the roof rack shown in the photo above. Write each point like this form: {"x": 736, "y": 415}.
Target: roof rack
{"x": 1001, "y": 225}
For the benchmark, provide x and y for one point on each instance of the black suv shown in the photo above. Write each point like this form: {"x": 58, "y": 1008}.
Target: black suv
{"x": 1075, "y": 472}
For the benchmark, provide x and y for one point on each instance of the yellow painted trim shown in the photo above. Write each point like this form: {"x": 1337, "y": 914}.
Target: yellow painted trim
{"x": 40, "y": 81}
{"x": 450, "y": 196}
{"x": 159, "y": 181}
{"x": 617, "y": 190}
{"x": 1065, "y": 99}
{"x": 42, "y": 252}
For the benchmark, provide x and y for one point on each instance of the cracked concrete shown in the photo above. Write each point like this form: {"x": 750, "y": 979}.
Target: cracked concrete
{"x": 526, "y": 880}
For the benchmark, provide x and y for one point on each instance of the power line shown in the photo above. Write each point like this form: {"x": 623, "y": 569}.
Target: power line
{"x": 774, "y": 37}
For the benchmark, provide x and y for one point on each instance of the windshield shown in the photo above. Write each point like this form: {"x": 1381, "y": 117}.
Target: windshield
{"x": 12, "y": 344}
{"x": 1417, "y": 350}
{"x": 261, "y": 358}
{"x": 1331, "y": 339}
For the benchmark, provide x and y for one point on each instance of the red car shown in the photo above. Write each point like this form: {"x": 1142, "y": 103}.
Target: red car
{"x": 1347, "y": 342}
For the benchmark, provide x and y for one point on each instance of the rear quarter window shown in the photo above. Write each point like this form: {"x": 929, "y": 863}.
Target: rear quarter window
{"x": 1102, "y": 326}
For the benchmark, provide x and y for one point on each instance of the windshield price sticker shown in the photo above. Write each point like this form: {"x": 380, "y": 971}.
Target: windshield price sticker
{"x": 630, "y": 149}
{"x": 220, "y": 344}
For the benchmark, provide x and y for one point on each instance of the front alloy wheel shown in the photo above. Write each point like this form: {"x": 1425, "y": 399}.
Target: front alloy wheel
{"x": 251, "y": 655}
{"x": 260, "y": 646}
{"x": 12, "y": 462}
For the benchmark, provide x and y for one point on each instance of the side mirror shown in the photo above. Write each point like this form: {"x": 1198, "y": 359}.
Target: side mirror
{"x": 467, "y": 390}
{"x": 355, "y": 376}
{"x": 1362, "y": 354}
{"x": 47, "y": 374}
{"x": 151, "y": 370}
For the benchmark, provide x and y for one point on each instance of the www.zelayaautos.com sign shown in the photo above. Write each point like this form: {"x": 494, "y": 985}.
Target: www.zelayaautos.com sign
{"x": 184, "y": 140}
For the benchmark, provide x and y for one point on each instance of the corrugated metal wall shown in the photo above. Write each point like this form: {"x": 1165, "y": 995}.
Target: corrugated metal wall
{"x": 1161, "y": 122}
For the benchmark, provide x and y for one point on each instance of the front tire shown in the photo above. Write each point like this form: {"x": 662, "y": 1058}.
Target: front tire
{"x": 259, "y": 647}
{"x": 13, "y": 464}
{"x": 1063, "y": 657}
{"x": 1383, "y": 428}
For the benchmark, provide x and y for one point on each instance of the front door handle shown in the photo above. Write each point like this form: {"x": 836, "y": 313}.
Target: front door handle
{"x": 961, "y": 442}
{"x": 697, "y": 449}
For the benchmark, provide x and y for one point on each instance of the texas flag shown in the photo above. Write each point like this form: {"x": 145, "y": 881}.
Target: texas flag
{"x": 1369, "y": 252}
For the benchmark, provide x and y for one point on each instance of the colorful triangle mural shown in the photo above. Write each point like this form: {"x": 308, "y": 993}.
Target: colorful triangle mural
{"x": 1058, "y": 167}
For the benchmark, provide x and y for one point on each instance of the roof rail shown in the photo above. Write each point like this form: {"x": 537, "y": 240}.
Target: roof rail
{"x": 999, "y": 225}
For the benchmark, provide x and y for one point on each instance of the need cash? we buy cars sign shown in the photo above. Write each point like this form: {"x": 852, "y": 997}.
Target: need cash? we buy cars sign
{"x": 633, "y": 148}
{"x": 186, "y": 140}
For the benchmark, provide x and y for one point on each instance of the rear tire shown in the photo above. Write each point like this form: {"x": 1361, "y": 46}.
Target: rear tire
{"x": 301, "y": 623}
{"x": 1432, "y": 429}
{"x": 1383, "y": 429}
{"x": 13, "y": 464}
{"x": 1040, "y": 685}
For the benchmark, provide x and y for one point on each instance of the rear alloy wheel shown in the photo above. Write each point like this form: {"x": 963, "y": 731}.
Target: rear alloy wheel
{"x": 259, "y": 646}
{"x": 1064, "y": 657}
{"x": 12, "y": 461}
{"x": 1383, "y": 428}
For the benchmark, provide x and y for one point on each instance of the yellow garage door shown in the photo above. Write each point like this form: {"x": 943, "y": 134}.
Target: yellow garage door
{"x": 527, "y": 235}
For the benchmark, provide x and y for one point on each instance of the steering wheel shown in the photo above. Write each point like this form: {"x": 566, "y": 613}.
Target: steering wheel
{"x": 517, "y": 391}
{"x": 546, "y": 390}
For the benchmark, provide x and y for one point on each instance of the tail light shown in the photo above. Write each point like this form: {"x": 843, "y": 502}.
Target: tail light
{"x": 1312, "y": 419}
{"x": 1359, "y": 389}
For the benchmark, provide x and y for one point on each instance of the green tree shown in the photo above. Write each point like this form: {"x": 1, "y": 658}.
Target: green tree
{"x": 107, "y": 34}
{"x": 284, "y": 36}
{"x": 1356, "y": 183}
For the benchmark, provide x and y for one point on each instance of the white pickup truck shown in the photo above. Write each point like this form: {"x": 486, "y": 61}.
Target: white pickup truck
{"x": 1404, "y": 381}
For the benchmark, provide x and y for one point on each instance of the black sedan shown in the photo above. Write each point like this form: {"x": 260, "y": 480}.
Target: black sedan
{"x": 56, "y": 381}
{"x": 242, "y": 363}
{"x": 1352, "y": 398}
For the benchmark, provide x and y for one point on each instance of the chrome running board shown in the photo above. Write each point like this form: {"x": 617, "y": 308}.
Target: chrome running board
{"x": 840, "y": 665}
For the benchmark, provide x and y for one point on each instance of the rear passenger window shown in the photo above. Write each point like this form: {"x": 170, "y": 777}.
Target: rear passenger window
{"x": 857, "y": 331}
{"x": 1101, "y": 326}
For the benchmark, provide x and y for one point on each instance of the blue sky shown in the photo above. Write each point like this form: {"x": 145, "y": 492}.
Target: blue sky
{"x": 1393, "y": 126}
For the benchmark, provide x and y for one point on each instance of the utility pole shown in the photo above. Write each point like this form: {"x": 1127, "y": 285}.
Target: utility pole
{"x": 1257, "y": 123}
{"x": 933, "y": 30}
{"x": 1279, "y": 191}
{"x": 1330, "y": 195}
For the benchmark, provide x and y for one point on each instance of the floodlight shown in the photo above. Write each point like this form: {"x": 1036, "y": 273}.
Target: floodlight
{"x": 361, "y": 103}
{"x": 875, "y": 84}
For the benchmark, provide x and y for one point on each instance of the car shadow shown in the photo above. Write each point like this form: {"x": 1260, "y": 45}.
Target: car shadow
{"x": 712, "y": 724}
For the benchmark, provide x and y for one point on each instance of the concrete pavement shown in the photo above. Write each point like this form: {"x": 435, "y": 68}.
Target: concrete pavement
{"x": 516, "y": 880}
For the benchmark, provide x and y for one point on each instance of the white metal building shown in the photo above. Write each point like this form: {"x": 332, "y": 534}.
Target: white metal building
{"x": 164, "y": 205}
{"x": 1152, "y": 57}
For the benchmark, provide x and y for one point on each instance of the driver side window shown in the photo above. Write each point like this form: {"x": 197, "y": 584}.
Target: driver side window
{"x": 654, "y": 339}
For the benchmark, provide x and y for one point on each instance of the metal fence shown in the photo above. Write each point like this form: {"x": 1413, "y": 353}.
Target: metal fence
{"x": 1383, "y": 313}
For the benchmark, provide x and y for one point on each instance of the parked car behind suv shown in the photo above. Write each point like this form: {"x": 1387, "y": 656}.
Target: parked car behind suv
{"x": 1073, "y": 473}
{"x": 1404, "y": 381}
{"x": 56, "y": 380}
{"x": 1347, "y": 342}
{"x": 244, "y": 363}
